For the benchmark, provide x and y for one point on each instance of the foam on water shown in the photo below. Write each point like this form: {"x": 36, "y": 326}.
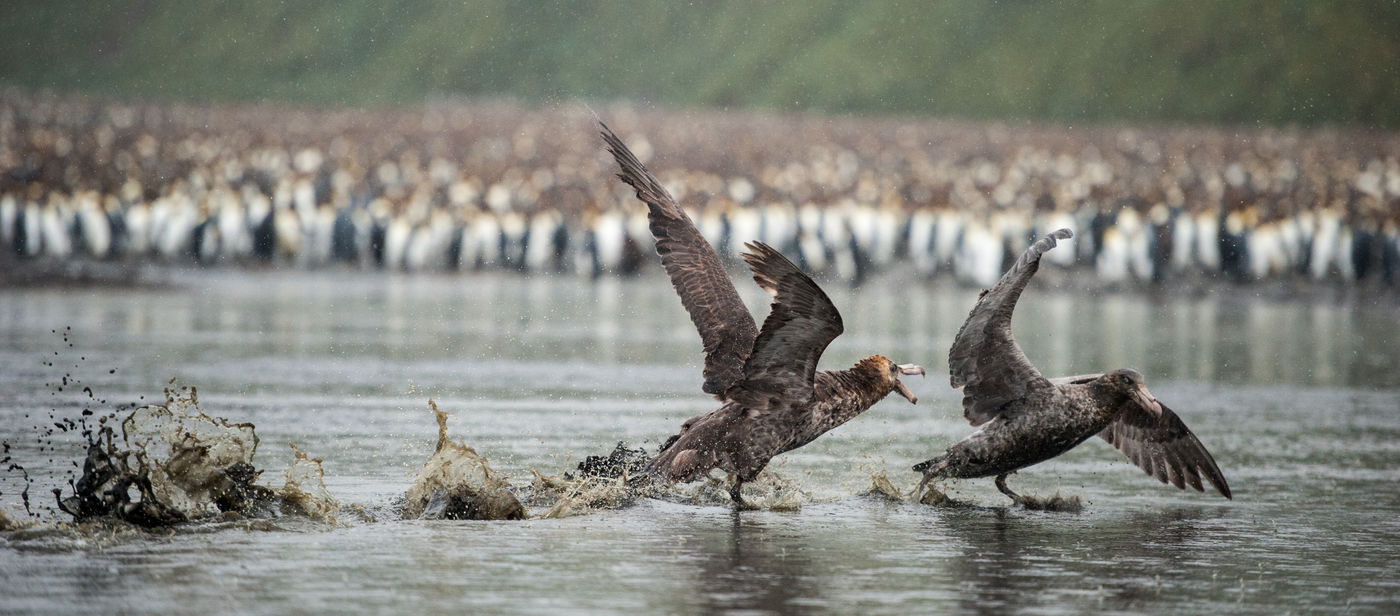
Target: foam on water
{"x": 581, "y": 496}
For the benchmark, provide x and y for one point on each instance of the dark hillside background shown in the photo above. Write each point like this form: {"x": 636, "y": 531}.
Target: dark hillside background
{"x": 1242, "y": 61}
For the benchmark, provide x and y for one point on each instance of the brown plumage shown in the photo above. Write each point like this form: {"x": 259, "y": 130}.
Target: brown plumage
{"x": 1026, "y": 419}
{"x": 725, "y": 327}
{"x": 774, "y": 398}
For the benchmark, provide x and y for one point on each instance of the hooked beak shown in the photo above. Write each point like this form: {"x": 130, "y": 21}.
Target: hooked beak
{"x": 1145, "y": 399}
{"x": 908, "y": 369}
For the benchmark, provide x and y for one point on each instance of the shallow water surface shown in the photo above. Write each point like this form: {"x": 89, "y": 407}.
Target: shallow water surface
{"x": 1300, "y": 403}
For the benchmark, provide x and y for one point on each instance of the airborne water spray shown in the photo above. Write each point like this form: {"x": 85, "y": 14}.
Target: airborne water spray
{"x": 72, "y": 421}
{"x": 155, "y": 464}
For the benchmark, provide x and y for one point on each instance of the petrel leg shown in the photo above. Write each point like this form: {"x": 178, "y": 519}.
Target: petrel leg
{"x": 734, "y": 495}
{"x": 1001, "y": 485}
{"x": 1054, "y": 503}
{"x": 922, "y": 484}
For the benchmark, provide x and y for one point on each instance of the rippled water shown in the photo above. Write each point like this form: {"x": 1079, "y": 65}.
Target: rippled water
{"x": 1300, "y": 403}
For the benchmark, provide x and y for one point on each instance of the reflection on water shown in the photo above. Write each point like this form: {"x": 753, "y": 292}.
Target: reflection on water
{"x": 1211, "y": 338}
{"x": 1297, "y": 402}
{"x": 1011, "y": 562}
{"x": 748, "y": 568}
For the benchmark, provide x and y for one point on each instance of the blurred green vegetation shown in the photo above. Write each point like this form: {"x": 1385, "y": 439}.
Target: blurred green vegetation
{"x": 1242, "y": 61}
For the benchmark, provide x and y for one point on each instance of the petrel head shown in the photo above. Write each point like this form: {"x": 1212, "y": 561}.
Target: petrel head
{"x": 889, "y": 372}
{"x": 1132, "y": 384}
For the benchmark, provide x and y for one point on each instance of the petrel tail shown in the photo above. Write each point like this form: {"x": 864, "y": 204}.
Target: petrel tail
{"x": 932, "y": 466}
{"x": 681, "y": 465}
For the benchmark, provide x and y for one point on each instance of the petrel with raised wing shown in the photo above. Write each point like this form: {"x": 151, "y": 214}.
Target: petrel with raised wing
{"x": 1025, "y": 418}
{"x": 774, "y": 399}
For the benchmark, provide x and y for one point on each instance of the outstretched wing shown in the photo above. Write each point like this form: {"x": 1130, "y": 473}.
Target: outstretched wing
{"x": 1164, "y": 447}
{"x": 985, "y": 360}
{"x": 800, "y": 324}
{"x": 726, "y": 328}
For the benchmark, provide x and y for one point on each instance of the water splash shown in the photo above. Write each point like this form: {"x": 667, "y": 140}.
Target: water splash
{"x": 8, "y": 523}
{"x": 1054, "y": 502}
{"x": 456, "y": 483}
{"x": 304, "y": 490}
{"x": 880, "y": 485}
{"x": 195, "y": 465}
{"x": 769, "y": 491}
{"x": 173, "y": 464}
{"x": 935, "y": 497}
{"x": 584, "y": 495}
{"x": 602, "y": 482}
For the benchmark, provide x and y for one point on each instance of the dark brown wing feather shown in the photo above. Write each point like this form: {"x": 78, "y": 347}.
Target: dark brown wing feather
{"x": 985, "y": 360}
{"x": 1164, "y": 447}
{"x": 801, "y": 323}
{"x": 726, "y": 328}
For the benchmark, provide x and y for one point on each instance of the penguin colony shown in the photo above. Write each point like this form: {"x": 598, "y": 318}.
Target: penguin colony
{"x": 497, "y": 186}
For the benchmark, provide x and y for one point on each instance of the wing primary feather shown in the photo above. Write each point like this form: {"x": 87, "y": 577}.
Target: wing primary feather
{"x": 726, "y": 328}
{"x": 1164, "y": 448}
{"x": 985, "y": 361}
{"x": 801, "y": 322}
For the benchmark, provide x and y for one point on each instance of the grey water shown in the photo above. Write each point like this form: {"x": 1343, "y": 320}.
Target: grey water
{"x": 1298, "y": 401}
